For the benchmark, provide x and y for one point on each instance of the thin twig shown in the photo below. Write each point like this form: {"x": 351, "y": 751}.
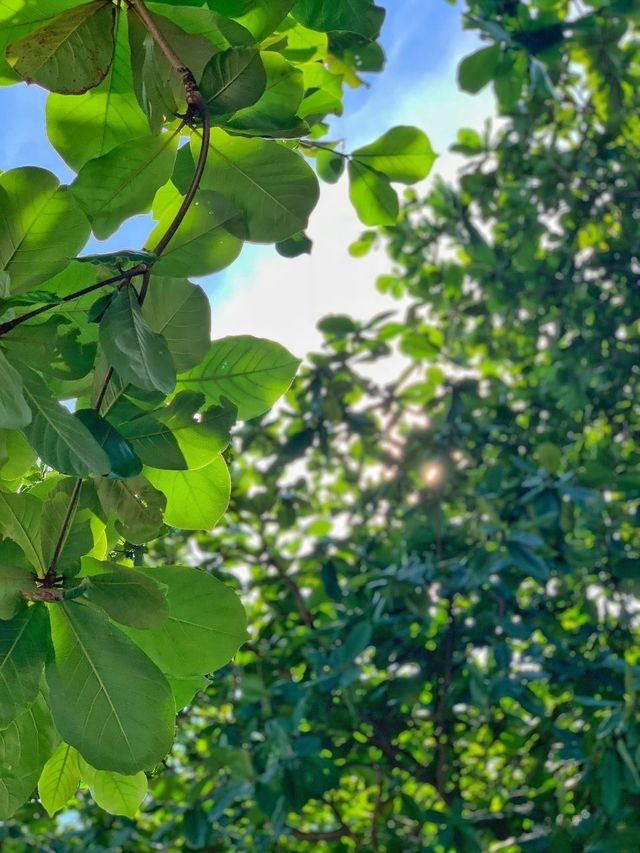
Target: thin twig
{"x": 116, "y": 279}
{"x": 52, "y": 572}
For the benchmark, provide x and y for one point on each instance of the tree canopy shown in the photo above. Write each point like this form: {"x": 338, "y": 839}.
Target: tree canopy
{"x": 115, "y": 405}
{"x": 436, "y": 534}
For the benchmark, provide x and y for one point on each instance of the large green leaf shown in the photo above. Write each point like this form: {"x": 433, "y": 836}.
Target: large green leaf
{"x": 196, "y": 500}
{"x": 114, "y": 792}
{"x": 58, "y": 438}
{"x": 25, "y": 746}
{"x": 354, "y": 16}
{"x": 402, "y": 154}
{"x": 107, "y": 698}
{"x": 83, "y": 127}
{"x": 124, "y": 181}
{"x": 20, "y": 456}
{"x": 24, "y": 644}
{"x": 14, "y": 411}
{"x": 261, "y": 17}
{"x": 14, "y": 580}
{"x": 250, "y": 372}
{"x": 17, "y": 18}
{"x": 139, "y": 355}
{"x": 20, "y": 522}
{"x": 180, "y": 312}
{"x": 202, "y": 436}
{"x": 272, "y": 186}
{"x": 202, "y": 244}
{"x": 41, "y": 227}
{"x": 71, "y": 52}
{"x": 275, "y": 113}
{"x": 232, "y": 80}
{"x": 206, "y": 625}
{"x": 60, "y": 779}
{"x": 129, "y": 597}
{"x": 137, "y": 506}
{"x": 375, "y": 200}
{"x": 152, "y": 440}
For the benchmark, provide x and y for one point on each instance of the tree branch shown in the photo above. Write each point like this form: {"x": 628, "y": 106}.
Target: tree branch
{"x": 195, "y": 105}
{"x": 116, "y": 279}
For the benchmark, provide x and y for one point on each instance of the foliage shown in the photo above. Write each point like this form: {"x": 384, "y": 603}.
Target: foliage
{"x": 115, "y": 406}
{"x": 443, "y": 566}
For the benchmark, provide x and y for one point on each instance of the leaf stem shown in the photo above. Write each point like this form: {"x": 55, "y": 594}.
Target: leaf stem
{"x": 52, "y": 572}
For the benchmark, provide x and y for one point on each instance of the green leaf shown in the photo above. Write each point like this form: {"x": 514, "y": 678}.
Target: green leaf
{"x": 18, "y": 18}
{"x": 295, "y": 246}
{"x": 114, "y": 792}
{"x": 60, "y": 779}
{"x": 20, "y": 455}
{"x": 232, "y": 80}
{"x": 330, "y": 165}
{"x": 196, "y": 500}
{"x": 117, "y": 692}
{"x": 206, "y": 625}
{"x": 271, "y": 185}
{"x": 274, "y": 114}
{"x": 528, "y": 562}
{"x": 124, "y": 181}
{"x": 261, "y": 18}
{"x": 41, "y": 227}
{"x": 20, "y": 522}
{"x": 25, "y": 746}
{"x": 200, "y": 440}
{"x": 202, "y": 244}
{"x": 185, "y": 687}
{"x": 180, "y": 312}
{"x": 250, "y": 372}
{"x": 375, "y": 200}
{"x": 79, "y": 539}
{"x": 129, "y": 597}
{"x": 83, "y": 127}
{"x": 59, "y": 438}
{"x": 14, "y": 411}
{"x": 139, "y": 355}
{"x": 13, "y": 581}
{"x": 137, "y": 506}
{"x": 402, "y": 154}
{"x": 70, "y": 53}
{"x": 24, "y": 642}
{"x": 152, "y": 440}
{"x": 353, "y": 16}
{"x": 124, "y": 462}
{"x": 478, "y": 69}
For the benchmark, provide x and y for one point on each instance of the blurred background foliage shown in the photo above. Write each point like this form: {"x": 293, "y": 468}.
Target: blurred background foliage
{"x": 437, "y": 536}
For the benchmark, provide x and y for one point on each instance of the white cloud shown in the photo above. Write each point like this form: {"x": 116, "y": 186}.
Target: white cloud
{"x": 282, "y": 299}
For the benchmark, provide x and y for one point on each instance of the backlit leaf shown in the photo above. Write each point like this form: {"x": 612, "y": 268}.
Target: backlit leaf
{"x": 117, "y": 691}
{"x": 71, "y": 52}
{"x": 250, "y": 372}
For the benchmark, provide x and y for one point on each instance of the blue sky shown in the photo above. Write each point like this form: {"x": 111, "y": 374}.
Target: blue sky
{"x": 423, "y": 40}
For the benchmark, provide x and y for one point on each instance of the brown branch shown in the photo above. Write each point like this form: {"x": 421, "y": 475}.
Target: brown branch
{"x": 294, "y": 589}
{"x": 330, "y": 835}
